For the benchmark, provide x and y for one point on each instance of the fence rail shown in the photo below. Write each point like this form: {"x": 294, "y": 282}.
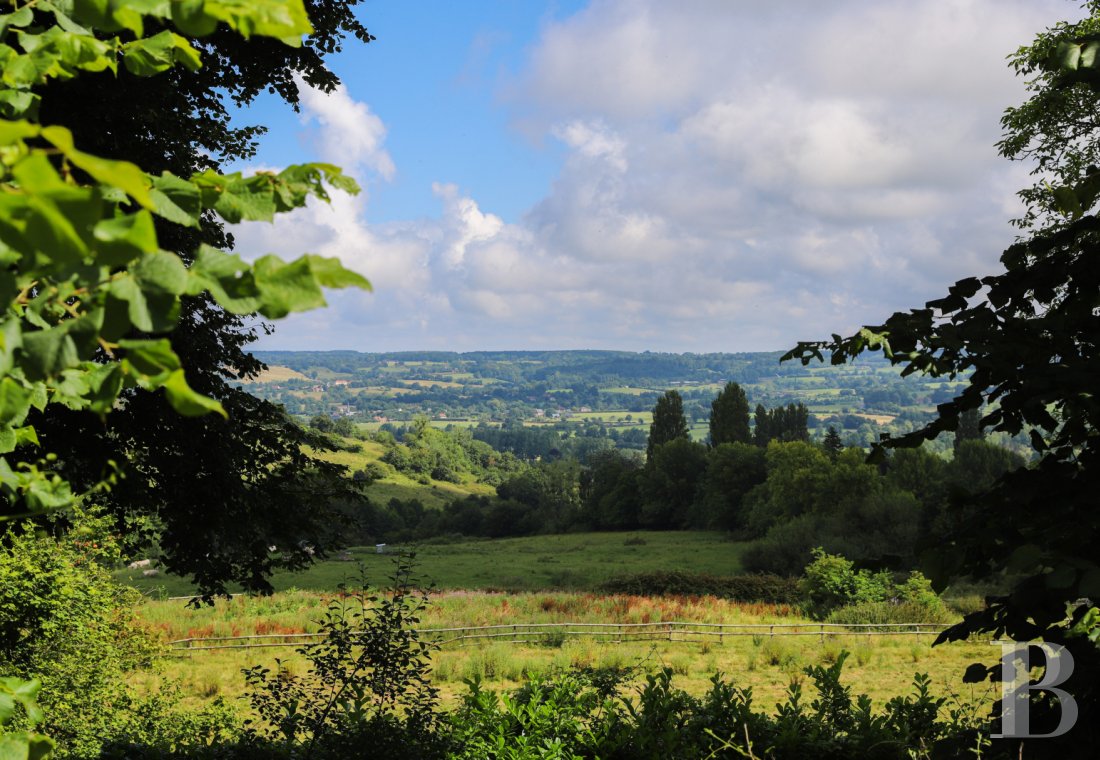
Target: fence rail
{"x": 543, "y": 633}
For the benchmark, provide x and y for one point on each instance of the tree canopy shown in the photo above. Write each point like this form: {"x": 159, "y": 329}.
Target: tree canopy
{"x": 105, "y": 260}
{"x": 668, "y": 423}
{"x": 729, "y": 416}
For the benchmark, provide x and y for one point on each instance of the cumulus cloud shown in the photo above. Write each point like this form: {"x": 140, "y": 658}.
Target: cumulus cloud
{"x": 348, "y": 134}
{"x": 737, "y": 176}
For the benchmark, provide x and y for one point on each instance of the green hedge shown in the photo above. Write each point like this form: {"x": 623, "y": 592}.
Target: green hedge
{"x": 773, "y": 589}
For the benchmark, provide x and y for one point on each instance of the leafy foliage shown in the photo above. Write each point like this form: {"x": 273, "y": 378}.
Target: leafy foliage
{"x": 367, "y": 679}
{"x": 72, "y": 629}
{"x": 22, "y": 743}
{"x": 84, "y": 268}
{"x": 729, "y": 416}
{"x": 587, "y": 714}
{"x": 832, "y": 583}
{"x": 669, "y": 422}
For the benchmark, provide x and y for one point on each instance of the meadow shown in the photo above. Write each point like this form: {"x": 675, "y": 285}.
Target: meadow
{"x": 881, "y": 666}
{"x": 566, "y": 561}
{"x": 525, "y": 580}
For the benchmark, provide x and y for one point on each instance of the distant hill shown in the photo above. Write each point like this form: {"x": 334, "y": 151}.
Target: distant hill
{"x": 615, "y": 389}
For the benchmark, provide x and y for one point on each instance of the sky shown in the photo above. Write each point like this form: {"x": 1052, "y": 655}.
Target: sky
{"x": 707, "y": 175}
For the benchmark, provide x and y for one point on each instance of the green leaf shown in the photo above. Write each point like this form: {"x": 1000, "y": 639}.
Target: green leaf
{"x": 123, "y": 238}
{"x": 26, "y": 435}
{"x": 39, "y": 747}
{"x": 7, "y": 708}
{"x": 53, "y": 234}
{"x": 17, "y": 103}
{"x": 284, "y": 19}
{"x": 46, "y": 496}
{"x": 251, "y": 199}
{"x": 120, "y": 174}
{"x": 125, "y": 289}
{"x": 7, "y": 439}
{"x": 176, "y": 200}
{"x": 150, "y": 358}
{"x": 22, "y": 17}
{"x": 227, "y": 278}
{"x": 1067, "y": 55}
{"x": 285, "y": 288}
{"x": 104, "y": 384}
{"x": 22, "y": 71}
{"x": 190, "y": 17}
{"x": 152, "y": 55}
{"x": 15, "y": 401}
{"x": 186, "y": 400}
{"x": 12, "y": 132}
{"x": 331, "y": 273}
{"x": 161, "y": 272}
{"x": 47, "y": 352}
{"x": 36, "y": 174}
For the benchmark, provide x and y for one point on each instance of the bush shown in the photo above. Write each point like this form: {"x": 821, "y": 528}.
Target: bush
{"x": 771, "y": 589}
{"x": 66, "y": 623}
{"x": 889, "y": 612}
{"x": 831, "y": 581}
{"x": 367, "y": 682}
{"x": 570, "y": 715}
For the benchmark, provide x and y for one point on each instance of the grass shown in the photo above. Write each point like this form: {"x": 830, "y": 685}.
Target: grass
{"x": 434, "y": 495}
{"x": 880, "y": 666}
{"x": 570, "y": 561}
{"x": 277, "y": 374}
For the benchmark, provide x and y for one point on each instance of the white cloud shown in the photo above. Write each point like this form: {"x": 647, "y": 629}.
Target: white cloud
{"x": 738, "y": 175}
{"x": 348, "y": 134}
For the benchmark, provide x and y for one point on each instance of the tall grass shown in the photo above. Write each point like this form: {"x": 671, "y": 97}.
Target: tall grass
{"x": 881, "y": 666}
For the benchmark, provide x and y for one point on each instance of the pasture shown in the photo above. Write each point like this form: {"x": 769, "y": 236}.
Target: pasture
{"x": 881, "y": 666}
{"x": 569, "y": 561}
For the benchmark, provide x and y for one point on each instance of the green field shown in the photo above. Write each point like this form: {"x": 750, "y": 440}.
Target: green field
{"x": 881, "y": 666}
{"x": 570, "y": 561}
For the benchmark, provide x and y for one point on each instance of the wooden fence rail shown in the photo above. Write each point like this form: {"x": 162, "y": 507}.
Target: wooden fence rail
{"x": 542, "y": 633}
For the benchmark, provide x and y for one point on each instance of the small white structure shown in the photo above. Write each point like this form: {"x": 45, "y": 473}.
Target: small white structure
{"x": 379, "y": 548}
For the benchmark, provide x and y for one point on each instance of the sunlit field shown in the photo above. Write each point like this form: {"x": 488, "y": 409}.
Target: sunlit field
{"x": 881, "y": 666}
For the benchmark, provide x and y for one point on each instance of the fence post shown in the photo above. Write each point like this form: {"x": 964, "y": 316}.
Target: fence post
{"x": 822, "y": 633}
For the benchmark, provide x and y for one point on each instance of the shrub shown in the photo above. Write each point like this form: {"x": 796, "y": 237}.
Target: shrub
{"x": 66, "y": 623}
{"x": 831, "y": 581}
{"x": 569, "y": 715}
{"x": 888, "y": 612}
{"x": 367, "y": 682}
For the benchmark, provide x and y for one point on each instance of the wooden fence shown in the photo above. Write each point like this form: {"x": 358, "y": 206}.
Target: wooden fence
{"x": 550, "y": 633}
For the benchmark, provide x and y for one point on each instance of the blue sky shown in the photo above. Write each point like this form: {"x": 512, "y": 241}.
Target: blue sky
{"x": 435, "y": 70}
{"x": 712, "y": 175}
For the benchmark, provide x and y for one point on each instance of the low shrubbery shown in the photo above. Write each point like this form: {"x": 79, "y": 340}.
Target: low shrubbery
{"x": 65, "y": 623}
{"x": 589, "y": 714}
{"x": 890, "y": 612}
{"x": 771, "y": 589}
{"x": 832, "y": 584}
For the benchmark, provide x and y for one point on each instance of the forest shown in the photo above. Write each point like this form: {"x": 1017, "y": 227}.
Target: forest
{"x": 138, "y": 431}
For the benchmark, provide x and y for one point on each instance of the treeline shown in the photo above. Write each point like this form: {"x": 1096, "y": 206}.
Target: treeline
{"x": 766, "y": 482}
